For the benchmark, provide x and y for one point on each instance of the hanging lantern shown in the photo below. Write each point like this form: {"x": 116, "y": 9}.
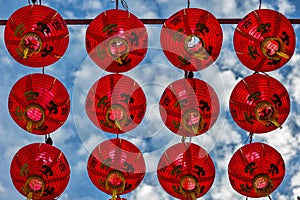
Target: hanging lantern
{"x": 116, "y": 167}
{"x": 116, "y": 40}
{"x": 256, "y": 170}
{"x": 191, "y": 39}
{"x": 186, "y": 171}
{"x": 259, "y": 104}
{"x": 36, "y": 36}
{"x": 39, "y": 103}
{"x": 116, "y": 103}
{"x": 189, "y": 107}
{"x": 264, "y": 40}
{"x": 40, "y": 171}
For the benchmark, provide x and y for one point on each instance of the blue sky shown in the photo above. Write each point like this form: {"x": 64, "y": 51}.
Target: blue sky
{"x": 78, "y": 136}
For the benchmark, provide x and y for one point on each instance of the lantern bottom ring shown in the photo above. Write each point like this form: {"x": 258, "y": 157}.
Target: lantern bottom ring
{"x": 193, "y": 121}
{"x": 34, "y": 187}
{"x": 262, "y": 184}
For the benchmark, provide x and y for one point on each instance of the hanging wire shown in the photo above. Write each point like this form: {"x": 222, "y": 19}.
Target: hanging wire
{"x": 43, "y": 70}
{"x": 259, "y": 7}
{"x": 124, "y": 4}
{"x": 249, "y": 138}
{"x": 117, "y": 4}
{"x": 188, "y": 4}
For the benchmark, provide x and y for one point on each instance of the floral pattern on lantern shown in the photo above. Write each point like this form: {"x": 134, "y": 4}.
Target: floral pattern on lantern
{"x": 36, "y": 36}
{"x": 40, "y": 171}
{"x": 116, "y": 40}
{"x": 264, "y": 40}
{"x": 191, "y": 39}
{"x": 256, "y": 170}
{"x": 186, "y": 171}
{"x": 116, "y": 103}
{"x": 116, "y": 167}
{"x": 189, "y": 107}
{"x": 39, "y": 103}
{"x": 259, "y": 104}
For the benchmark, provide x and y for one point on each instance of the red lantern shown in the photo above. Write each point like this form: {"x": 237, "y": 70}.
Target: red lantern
{"x": 264, "y": 40}
{"x": 259, "y": 104}
{"x": 36, "y": 36}
{"x": 39, "y": 103}
{"x": 40, "y": 171}
{"x": 116, "y": 167}
{"x": 186, "y": 171}
{"x": 116, "y": 103}
{"x": 191, "y": 39}
{"x": 116, "y": 40}
{"x": 256, "y": 170}
{"x": 189, "y": 107}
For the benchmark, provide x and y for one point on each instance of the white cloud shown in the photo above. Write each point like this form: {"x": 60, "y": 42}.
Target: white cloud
{"x": 149, "y": 192}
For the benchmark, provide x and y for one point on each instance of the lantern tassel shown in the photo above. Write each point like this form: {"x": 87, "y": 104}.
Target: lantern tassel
{"x": 29, "y": 126}
{"x": 118, "y": 125}
{"x": 283, "y": 55}
{"x": 275, "y": 123}
{"x": 25, "y": 53}
{"x": 195, "y": 129}
{"x": 29, "y": 196}
{"x": 114, "y": 195}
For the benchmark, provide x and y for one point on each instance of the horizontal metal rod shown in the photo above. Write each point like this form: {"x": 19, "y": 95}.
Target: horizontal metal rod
{"x": 151, "y": 21}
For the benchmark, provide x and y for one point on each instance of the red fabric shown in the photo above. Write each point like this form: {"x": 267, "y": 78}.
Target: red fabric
{"x": 180, "y": 28}
{"x": 189, "y": 107}
{"x": 116, "y": 103}
{"x": 257, "y": 91}
{"x": 116, "y": 155}
{"x": 42, "y": 160}
{"x": 190, "y": 161}
{"x": 116, "y": 40}
{"x": 36, "y": 36}
{"x": 264, "y": 40}
{"x": 251, "y": 161}
{"x": 39, "y": 103}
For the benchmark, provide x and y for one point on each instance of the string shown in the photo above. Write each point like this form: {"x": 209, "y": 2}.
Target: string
{"x": 117, "y": 4}
{"x": 188, "y": 4}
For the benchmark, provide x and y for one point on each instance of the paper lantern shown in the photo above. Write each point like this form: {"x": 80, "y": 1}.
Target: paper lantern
{"x": 259, "y": 104}
{"x": 39, "y": 103}
{"x": 40, "y": 171}
{"x": 116, "y": 103}
{"x": 256, "y": 170}
{"x": 186, "y": 171}
{"x": 189, "y": 107}
{"x": 36, "y": 36}
{"x": 116, "y": 167}
{"x": 191, "y": 39}
{"x": 264, "y": 40}
{"x": 116, "y": 40}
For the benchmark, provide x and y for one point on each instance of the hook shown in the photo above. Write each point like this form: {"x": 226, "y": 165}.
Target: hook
{"x": 48, "y": 139}
{"x": 251, "y": 137}
{"x": 188, "y": 74}
{"x": 34, "y": 2}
